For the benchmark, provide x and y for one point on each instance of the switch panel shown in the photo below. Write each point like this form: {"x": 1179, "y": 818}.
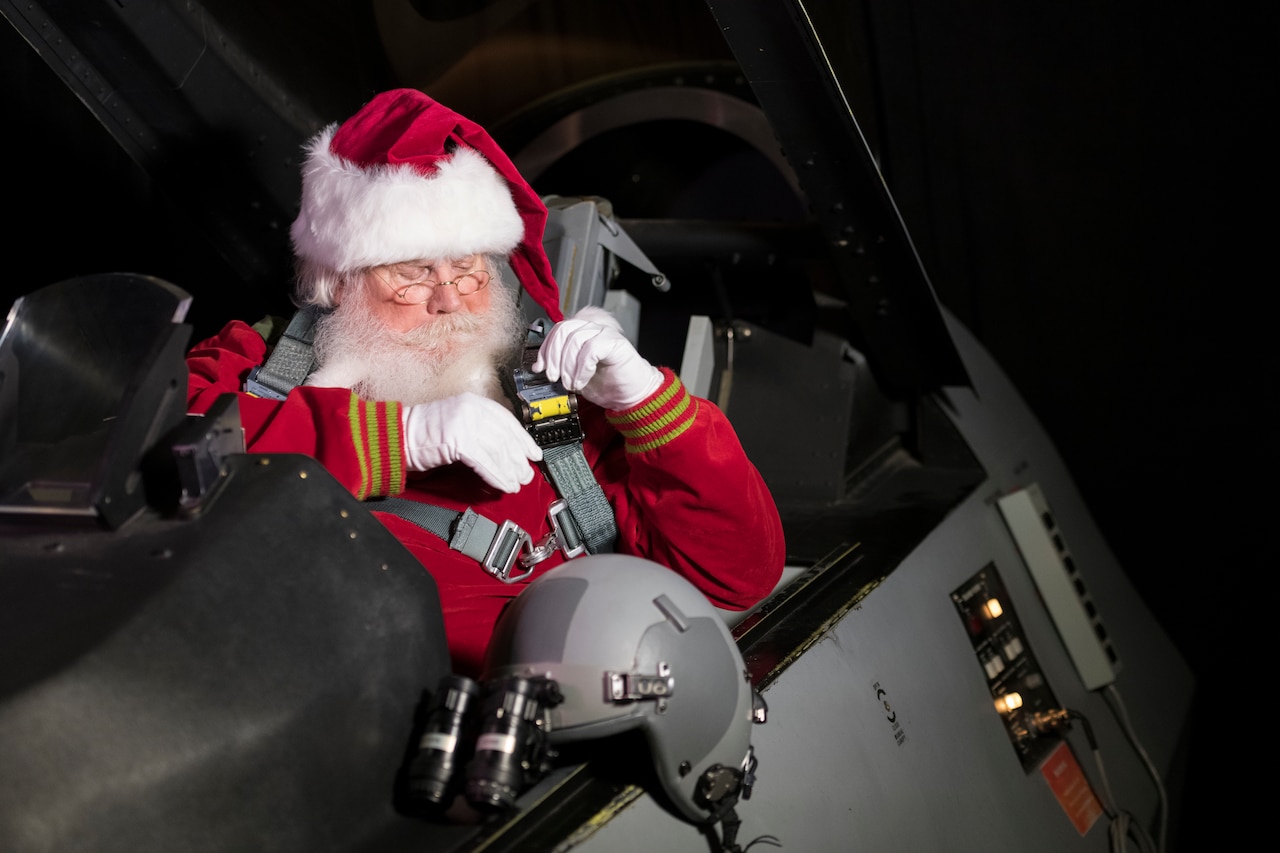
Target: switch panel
{"x": 1063, "y": 590}
{"x": 1019, "y": 690}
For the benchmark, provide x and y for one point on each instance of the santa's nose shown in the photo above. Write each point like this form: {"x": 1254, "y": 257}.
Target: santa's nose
{"x": 445, "y": 299}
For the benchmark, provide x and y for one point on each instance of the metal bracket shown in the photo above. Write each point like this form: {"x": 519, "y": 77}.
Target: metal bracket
{"x": 635, "y": 686}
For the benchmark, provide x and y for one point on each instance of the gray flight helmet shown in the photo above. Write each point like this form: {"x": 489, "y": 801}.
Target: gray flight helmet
{"x": 633, "y": 645}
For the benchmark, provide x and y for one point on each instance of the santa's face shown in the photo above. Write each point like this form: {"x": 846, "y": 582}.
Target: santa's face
{"x": 387, "y": 340}
{"x": 408, "y": 295}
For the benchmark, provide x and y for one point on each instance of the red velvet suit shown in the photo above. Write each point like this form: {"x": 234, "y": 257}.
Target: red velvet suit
{"x": 682, "y": 490}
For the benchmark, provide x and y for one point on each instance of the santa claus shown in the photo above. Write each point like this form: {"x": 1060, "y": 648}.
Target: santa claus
{"x": 415, "y": 237}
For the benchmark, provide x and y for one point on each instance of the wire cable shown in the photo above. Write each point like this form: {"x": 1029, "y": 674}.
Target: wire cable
{"x": 1122, "y": 825}
{"x": 1112, "y": 696}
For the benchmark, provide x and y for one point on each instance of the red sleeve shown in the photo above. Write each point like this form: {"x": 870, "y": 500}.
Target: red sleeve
{"x": 686, "y": 496}
{"x": 357, "y": 441}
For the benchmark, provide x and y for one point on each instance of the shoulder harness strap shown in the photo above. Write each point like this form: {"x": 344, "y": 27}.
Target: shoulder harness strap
{"x": 550, "y": 413}
{"x": 582, "y": 520}
{"x": 291, "y": 360}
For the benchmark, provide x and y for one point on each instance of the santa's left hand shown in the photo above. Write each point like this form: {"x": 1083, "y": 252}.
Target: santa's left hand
{"x": 588, "y": 353}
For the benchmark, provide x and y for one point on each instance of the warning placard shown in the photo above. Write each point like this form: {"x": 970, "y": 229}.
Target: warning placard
{"x": 1072, "y": 789}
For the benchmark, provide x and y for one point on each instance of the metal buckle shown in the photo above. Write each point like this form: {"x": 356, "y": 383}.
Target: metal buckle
{"x": 539, "y": 551}
{"x": 498, "y": 562}
{"x": 556, "y": 539}
{"x": 555, "y": 431}
{"x": 559, "y": 507}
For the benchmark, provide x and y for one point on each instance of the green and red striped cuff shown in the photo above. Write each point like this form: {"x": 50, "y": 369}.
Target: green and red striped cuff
{"x": 657, "y": 421}
{"x": 375, "y": 432}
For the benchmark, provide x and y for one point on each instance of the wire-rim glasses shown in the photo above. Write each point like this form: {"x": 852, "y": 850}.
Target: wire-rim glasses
{"x": 413, "y": 284}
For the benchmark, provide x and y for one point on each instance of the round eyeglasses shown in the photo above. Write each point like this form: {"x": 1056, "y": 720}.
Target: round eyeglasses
{"x": 413, "y": 284}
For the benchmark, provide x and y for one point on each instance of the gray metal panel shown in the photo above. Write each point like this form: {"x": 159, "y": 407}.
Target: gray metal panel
{"x": 833, "y": 775}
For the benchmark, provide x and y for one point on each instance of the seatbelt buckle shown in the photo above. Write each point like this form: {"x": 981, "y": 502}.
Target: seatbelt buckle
{"x": 547, "y": 409}
{"x": 565, "y": 530}
{"x": 563, "y": 537}
{"x": 561, "y": 427}
{"x": 509, "y": 544}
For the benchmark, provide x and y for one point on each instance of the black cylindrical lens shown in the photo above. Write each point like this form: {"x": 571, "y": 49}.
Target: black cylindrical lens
{"x": 510, "y": 737}
{"x": 445, "y": 745}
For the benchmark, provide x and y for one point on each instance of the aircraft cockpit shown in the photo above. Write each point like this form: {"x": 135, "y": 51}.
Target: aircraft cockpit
{"x": 209, "y": 649}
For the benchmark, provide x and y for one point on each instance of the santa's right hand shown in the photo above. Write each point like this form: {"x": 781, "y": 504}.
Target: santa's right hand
{"x": 479, "y": 432}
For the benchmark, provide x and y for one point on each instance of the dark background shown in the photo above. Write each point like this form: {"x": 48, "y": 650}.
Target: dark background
{"x": 1089, "y": 186}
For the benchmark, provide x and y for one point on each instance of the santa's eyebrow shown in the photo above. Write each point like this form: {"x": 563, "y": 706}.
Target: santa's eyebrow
{"x": 412, "y": 266}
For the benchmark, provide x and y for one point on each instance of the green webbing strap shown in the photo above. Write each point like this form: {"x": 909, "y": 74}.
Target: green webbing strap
{"x": 435, "y": 519}
{"x": 589, "y": 522}
{"x": 576, "y": 483}
{"x": 497, "y": 547}
{"x": 571, "y": 476}
{"x": 291, "y": 359}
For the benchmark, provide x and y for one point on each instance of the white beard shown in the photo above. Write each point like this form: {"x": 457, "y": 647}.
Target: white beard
{"x": 451, "y": 354}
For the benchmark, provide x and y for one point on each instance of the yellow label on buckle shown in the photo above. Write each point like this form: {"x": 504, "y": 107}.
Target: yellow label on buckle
{"x": 549, "y": 408}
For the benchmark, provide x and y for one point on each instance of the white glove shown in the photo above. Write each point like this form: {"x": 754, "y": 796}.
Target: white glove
{"x": 589, "y": 354}
{"x": 480, "y": 433}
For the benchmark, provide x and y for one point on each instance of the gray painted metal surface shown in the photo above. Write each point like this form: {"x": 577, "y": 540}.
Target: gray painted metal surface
{"x": 835, "y": 774}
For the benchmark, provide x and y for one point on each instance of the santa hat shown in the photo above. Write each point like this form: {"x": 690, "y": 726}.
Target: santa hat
{"x": 408, "y": 178}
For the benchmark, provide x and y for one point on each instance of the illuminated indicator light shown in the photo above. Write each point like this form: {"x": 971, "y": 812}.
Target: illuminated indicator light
{"x": 1008, "y": 702}
{"x": 993, "y": 608}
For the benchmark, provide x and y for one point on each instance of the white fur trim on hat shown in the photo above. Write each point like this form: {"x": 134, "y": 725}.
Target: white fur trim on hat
{"x": 352, "y": 217}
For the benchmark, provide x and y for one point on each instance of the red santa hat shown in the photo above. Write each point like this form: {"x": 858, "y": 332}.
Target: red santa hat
{"x": 408, "y": 178}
